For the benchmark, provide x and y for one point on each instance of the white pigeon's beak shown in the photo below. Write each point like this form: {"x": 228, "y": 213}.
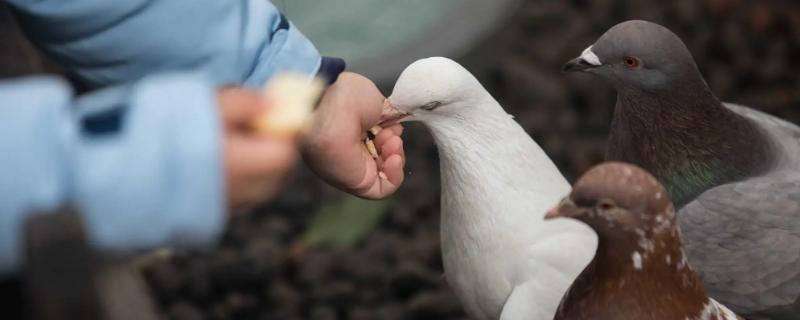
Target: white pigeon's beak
{"x": 588, "y": 59}
{"x": 391, "y": 115}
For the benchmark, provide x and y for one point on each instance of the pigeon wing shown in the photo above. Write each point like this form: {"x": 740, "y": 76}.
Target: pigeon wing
{"x": 564, "y": 247}
{"x": 744, "y": 240}
{"x": 526, "y": 302}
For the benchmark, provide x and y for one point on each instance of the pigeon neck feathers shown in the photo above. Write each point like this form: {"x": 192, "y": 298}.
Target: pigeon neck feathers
{"x": 487, "y": 141}
{"x": 644, "y": 276}
{"x": 483, "y": 152}
{"x": 687, "y": 138}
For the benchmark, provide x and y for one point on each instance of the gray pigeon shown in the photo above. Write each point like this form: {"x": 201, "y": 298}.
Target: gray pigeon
{"x": 732, "y": 171}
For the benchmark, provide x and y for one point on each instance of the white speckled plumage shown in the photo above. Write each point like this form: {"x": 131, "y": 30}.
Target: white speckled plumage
{"x": 500, "y": 257}
{"x": 713, "y": 310}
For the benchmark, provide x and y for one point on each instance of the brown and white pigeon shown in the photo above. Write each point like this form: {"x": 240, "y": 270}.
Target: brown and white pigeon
{"x": 733, "y": 172}
{"x": 640, "y": 270}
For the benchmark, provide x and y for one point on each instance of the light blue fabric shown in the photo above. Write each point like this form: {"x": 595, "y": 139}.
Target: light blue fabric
{"x": 157, "y": 180}
{"x": 103, "y": 42}
{"x": 36, "y": 133}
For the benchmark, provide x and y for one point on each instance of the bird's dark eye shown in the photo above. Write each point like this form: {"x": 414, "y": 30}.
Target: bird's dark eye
{"x": 605, "y": 204}
{"x": 431, "y": 105}
{"x": 631, "y": 62}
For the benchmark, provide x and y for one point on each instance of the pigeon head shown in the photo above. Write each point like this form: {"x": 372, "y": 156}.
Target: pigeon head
{"x": 616, "y": 196}
{"x": 638, "y": 56}
{"x": 430, "y": 89}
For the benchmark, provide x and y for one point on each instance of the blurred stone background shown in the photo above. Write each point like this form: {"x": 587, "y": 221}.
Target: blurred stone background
{"x": 267, "y": 268}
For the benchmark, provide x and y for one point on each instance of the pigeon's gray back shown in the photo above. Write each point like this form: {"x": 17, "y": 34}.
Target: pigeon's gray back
{"x": 744, "y": 237}
{"x": 785, "y": 136}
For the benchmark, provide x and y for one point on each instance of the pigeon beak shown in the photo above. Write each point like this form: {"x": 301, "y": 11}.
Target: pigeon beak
{"x": 587, "y": 60}
{"x": 577, "y": 64}
{"x": 565, "y": 209}
{"x": 391, "y": 115}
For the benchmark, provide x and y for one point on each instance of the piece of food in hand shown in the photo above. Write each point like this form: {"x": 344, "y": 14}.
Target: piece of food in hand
{"x": 371, "y": 148}
{"x": 375, "y": 130}
{"x": 291, "y": 98}
{"x": 371, "y": 134}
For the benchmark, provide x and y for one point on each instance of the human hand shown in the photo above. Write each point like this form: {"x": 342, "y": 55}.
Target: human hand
{"x": 255, "y": 164}
{"x": 333, "y": 146}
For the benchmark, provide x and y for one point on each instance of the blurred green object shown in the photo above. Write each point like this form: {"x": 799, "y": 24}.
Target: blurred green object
{"x": 356, "y": 29}
{"x": 379, "y": 38}
{"x": 345, "y": 222}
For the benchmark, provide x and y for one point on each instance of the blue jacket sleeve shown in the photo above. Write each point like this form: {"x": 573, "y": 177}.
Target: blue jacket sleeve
{"x": 142, "y": 162}
{"x": 34, "y": 142}
{"x": 103, "y": 42}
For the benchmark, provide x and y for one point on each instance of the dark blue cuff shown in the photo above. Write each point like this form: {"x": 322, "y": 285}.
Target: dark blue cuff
{"x": 104, "y": 122}
{"x": 330, "y": 68}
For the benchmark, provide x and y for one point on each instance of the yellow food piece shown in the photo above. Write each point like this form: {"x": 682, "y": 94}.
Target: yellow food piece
{"x": 375, "y": 130}
{"x": 291, "y": 98}
{"x": 371, "y": 148}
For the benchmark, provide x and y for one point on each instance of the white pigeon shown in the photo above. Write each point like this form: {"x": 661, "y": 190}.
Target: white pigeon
{"x": 502, "y": 259}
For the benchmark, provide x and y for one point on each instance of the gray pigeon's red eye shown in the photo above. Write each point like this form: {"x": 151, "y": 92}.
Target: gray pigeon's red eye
{"x": 631, "y": 62}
